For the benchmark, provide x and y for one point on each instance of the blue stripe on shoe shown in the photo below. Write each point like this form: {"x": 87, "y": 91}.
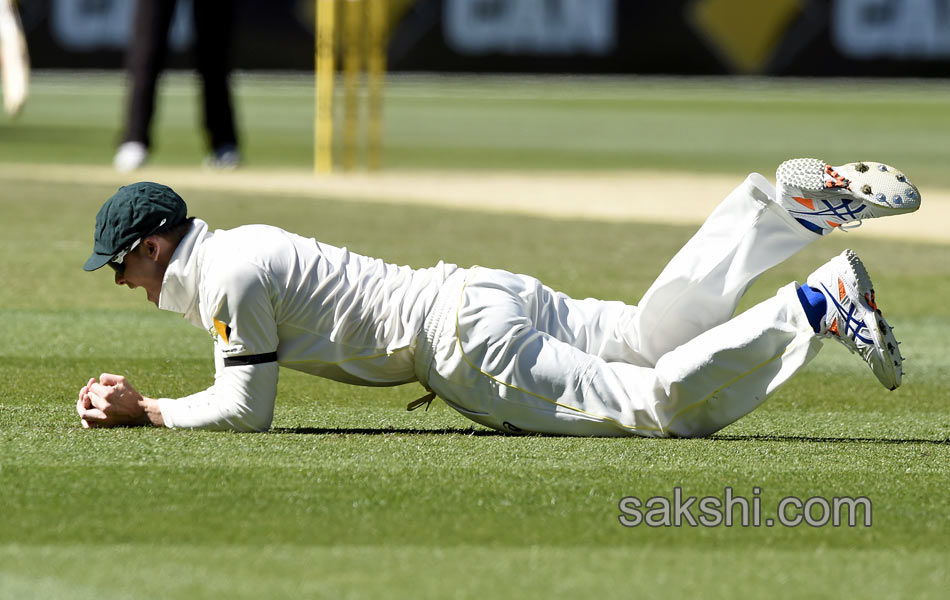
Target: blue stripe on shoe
{"x": 811, "y": 226}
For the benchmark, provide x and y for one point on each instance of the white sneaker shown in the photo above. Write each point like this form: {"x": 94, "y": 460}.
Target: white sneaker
{"x": 130, "y": 156}
{"x": 822, "y": 197}
{"x": 853, "y": 318}
{"x": 224, "y": 158}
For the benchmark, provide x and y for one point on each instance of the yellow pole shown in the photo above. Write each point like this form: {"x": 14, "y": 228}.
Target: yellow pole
{"x": 325, "y": 28}
{"x": 376, "y": 72}
{"x": 352, "y": 30}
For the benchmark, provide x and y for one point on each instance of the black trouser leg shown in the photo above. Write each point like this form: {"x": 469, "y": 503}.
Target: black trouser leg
{"x": 214, "y": 21}
{"x": 144, "y": 59}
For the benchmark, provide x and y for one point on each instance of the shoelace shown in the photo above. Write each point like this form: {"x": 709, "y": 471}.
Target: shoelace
{"x": 427, "y": 400}
{"x": 849, "y": 225}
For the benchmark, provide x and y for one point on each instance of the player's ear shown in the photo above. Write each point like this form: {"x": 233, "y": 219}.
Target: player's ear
{"x": 152, "y": 247}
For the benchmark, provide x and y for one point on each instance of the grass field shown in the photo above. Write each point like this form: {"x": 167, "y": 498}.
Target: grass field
{"x": 715, "y": 125}
{"x": 351, "y": 496}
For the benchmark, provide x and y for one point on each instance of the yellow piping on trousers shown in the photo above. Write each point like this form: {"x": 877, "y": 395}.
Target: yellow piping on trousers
{"x": 724, "y": 386}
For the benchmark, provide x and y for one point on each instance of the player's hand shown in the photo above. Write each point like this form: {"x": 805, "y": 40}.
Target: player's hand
{"x": 84, "y": 403}
{"x": 110, "y": 402}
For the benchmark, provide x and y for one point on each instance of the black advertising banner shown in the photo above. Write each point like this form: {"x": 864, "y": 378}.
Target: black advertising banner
{"x": 777, "y": 37}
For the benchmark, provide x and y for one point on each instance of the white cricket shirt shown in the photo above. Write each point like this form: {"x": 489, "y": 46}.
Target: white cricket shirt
{"x": 271, "y": 297}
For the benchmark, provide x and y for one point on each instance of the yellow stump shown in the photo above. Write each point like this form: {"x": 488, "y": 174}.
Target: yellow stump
{"x": 376, "y": 72}
{"x": 364, "y": 36}
{"x": 323, "y": 82}
{"x": 352, "y": 32}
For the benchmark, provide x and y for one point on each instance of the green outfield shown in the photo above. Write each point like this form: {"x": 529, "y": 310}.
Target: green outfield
{"x": 353, "y": 497}
{"x": 731, "y": 125}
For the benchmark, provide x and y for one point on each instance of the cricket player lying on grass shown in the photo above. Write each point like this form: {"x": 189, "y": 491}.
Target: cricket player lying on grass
{"x": 503, "y": 349}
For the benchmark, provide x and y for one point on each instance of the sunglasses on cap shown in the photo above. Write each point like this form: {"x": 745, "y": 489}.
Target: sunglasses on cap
{"x": 117, "y": 262}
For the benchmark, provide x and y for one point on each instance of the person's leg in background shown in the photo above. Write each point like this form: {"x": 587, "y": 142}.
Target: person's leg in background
{"x": 214, "y": 25}
{"x": 145, "y": 58}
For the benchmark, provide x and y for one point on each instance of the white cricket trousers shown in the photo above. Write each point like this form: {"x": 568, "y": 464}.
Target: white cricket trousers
{"x": 513, "y": 354}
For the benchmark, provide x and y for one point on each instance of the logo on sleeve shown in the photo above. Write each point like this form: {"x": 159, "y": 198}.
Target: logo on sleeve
{"x": 223, "y": 330}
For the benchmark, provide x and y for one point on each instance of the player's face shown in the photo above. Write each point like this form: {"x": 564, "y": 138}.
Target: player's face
{"x": 141, "y": 269}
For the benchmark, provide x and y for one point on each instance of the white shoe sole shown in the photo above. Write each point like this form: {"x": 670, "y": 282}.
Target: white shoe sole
{"x": 875, "y": 189}
{"x": 882, "y": 333}
{"x": 884, "y": 357}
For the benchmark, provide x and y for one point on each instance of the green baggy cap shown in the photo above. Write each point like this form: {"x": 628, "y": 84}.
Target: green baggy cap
{"x": 135, "y": 211}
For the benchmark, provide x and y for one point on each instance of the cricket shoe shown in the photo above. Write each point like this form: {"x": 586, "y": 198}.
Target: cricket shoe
{"x": 130, "y": 156}
{"x": 223, "y": 158}
{"x": 853, "y": 318}
{"x": 822, "y": 197}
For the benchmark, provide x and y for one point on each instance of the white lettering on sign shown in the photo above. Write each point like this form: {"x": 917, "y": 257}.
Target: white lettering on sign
{"x": 534, "y": 27}
{"x": 902, "y": 29}
{"x": 89, "y": 25}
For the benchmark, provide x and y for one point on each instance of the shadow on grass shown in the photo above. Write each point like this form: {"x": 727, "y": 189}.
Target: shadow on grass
{"x": 491, "y": 433}
{"x": 826, "y": 440}
{"x": 384, "y": 431}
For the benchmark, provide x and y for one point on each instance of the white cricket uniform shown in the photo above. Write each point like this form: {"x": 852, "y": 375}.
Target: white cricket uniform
{"x": 269, "y": 296}
{"x": 502, "y": 349}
